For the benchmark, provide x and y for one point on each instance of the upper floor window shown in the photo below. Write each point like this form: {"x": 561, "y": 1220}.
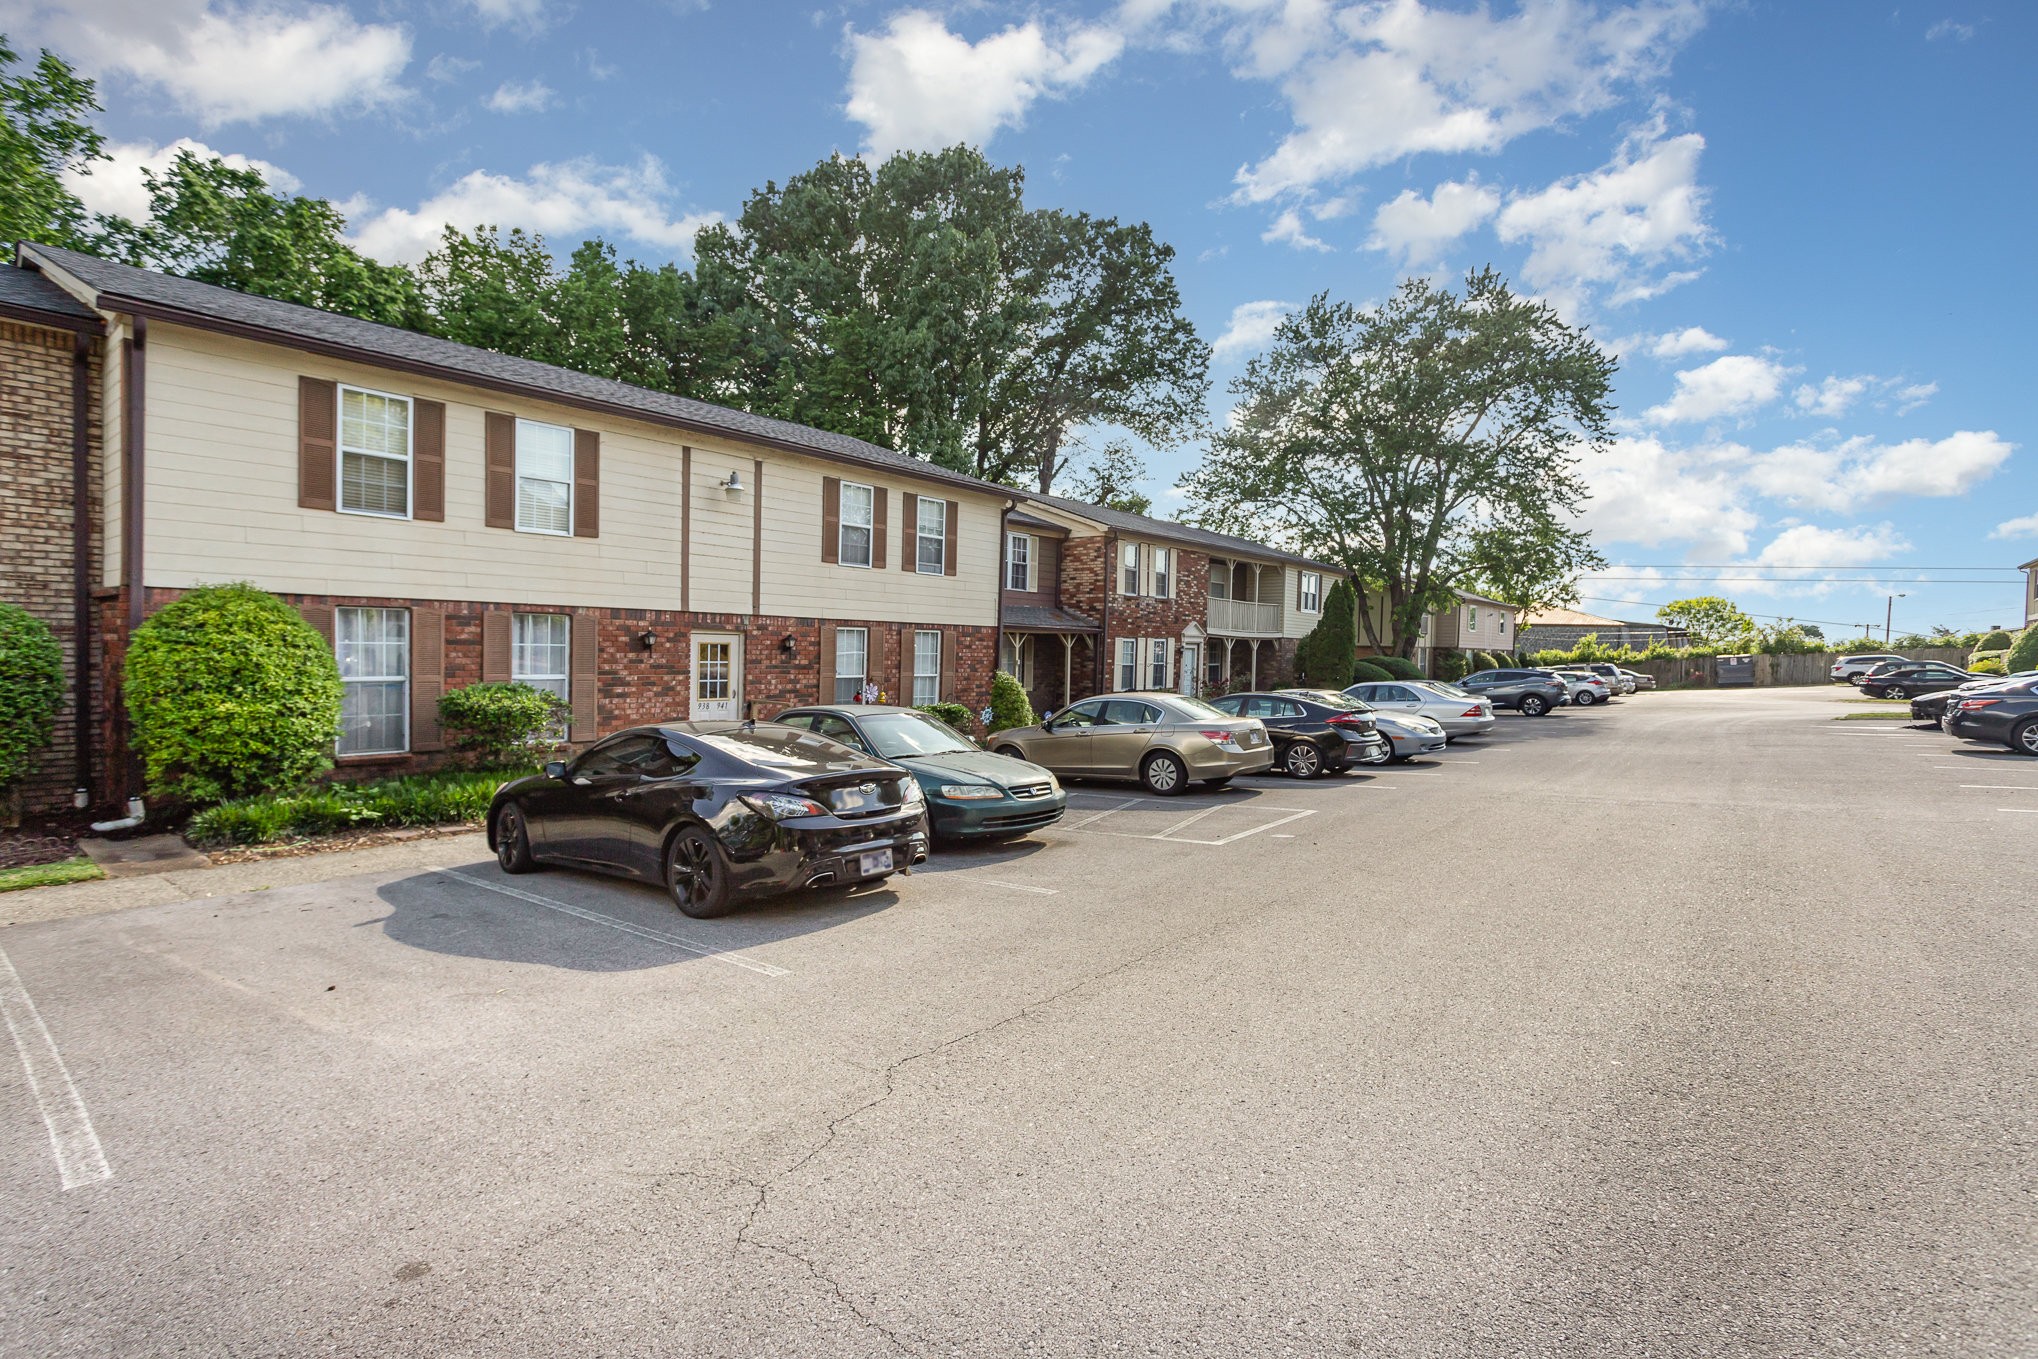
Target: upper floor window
{"x": 853, "y": 546}
{"x": 1312, "y": 592}
{"x": 1128, "y": 568}
{"x": 544, "y": 478}
{"x": 1471, "y": 618}
{"x": 1163, "y": 573}
{"x": 374, "y": 453}
{"x": 930, "y": 530}
{"x": 1019, "y": 562}
{"x": 1500, "y": 622}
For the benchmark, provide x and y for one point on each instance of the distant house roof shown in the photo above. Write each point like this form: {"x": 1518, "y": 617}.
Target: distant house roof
{"x": 28, "y": 296}
{"x": 1167, "y": 530}
{"x": 1572, "y": 618}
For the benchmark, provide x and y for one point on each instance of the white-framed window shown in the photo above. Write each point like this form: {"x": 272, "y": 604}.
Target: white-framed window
{"x": 852, "y": 661}
{"x": 1128, "y": 568}
{"x": 1312, "y": 592}
{"x": 852, "y": 546}
{"x": 544, "y": 479}
{"x": 926, "y": 667}
{"x": 374, "y": 453}
{"x": 540, "y": 647}
{"x": 930, "y": 535}
{"x": 1163, "y": 575}
{"x": 1471, "y": 618}
{"x": 1160, "y": 671}
{"x": 1019, "y": 562}
{"x": 373, "y": 649}
{"x": 1128, "y": 664}
{"x": 1500, "y": 623}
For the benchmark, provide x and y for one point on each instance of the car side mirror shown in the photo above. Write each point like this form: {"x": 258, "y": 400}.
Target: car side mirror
{"x": 555, "y": 769}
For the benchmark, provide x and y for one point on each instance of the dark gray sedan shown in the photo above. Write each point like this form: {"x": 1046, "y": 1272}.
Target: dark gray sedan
{"x": 1532, "y": 693}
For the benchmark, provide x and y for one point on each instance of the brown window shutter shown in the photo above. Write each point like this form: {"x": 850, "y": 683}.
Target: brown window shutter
{"x": 1047, "y": 570}
{"x": 909, "y": 531}
{"x": 428, "y": 461}
{"x": 495, "y": 646}
{"x": 320, "y": 616}
{"x": 947, "y": 694}
{"x": 586, "y": 483}
{"x": 878, "y": 497}
{"x": 318, "y": 429}
{"x": 905, "y": 698}
{"x": 585, "y": 685}
{"x": 948, "y": 551}
{"x": 499, "y": 442}
{"x": 427, "y": 677}
{"x": 826, "y": 664}
{"x": 831, "y": 519}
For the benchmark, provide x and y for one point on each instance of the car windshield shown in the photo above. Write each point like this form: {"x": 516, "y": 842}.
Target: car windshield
{"x": 1196, "y": 707}
{"x": 1344, "y": 703}
{"x": 902, "y": 735}
{"x": 1444, "y": 687}
{"x": 779, "y": 747}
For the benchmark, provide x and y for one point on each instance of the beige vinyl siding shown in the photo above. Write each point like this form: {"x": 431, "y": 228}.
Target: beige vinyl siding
{"x": 113, "y": 427}
{"x": 222, "y": 505}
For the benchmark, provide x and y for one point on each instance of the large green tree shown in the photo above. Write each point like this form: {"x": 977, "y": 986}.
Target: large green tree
{"x": 1412, "y": 441}
{"x": 1710, "y": 619}
{"x": 1532, "y": 562}
{"x": 45, "y": 131}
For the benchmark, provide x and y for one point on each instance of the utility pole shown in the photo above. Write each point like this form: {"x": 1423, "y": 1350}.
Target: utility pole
{"x": 1889, "y": 612}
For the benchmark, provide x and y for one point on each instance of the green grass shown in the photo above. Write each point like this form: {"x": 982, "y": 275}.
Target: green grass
{"x": 450, "y": 798}
{"x": 1886, "y": 716}
{"x": 80, "y": 869}
{"x": 1875, "y": 700}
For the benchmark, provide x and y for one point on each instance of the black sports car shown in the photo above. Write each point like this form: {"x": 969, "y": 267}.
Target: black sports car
{"x": 1922, "y": 677}
{"x": 717, "y": 811}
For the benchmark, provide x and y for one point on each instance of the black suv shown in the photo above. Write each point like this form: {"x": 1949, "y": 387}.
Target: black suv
{"x": 1532, "y": 693}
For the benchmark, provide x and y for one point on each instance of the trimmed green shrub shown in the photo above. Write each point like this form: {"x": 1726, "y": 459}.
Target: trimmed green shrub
{"x": 1486, "y": 660}
{"x": 1991, "y": 666}
{"x": 1452, "y": 665}
{"x": 956, "y": 715}
{"x": 1324, "y": 658}
{"x": 1009, "y": 705}
{"x": 1994, "y": 641}
{"x": 1369, "y": 672}
{"x": 501, "y": 723}
{"x": 2023, "y": 652}
{"x": 230, "y": 693}
{"x": 1978, "y": 657}
{"x": 31, "y": 690}
{"x": 1398, "y": 667}
{"x": 449, "y": 798}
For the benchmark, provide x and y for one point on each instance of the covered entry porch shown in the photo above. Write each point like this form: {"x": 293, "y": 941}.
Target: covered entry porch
{"x": 1051, "y": 652}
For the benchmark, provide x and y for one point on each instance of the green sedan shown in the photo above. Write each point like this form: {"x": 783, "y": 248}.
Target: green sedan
{"x": 971, "y": 793}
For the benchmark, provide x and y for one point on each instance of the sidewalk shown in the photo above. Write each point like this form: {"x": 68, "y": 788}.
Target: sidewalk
{"x": 194, "y": 884}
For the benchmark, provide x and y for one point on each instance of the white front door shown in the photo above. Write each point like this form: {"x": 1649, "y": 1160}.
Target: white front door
{"x": 1192, "y": 666}
{"x": 717, "y": 676}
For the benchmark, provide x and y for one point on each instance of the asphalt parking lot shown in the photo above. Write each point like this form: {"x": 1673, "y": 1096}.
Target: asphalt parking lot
{"x": 1698, "y": 1025}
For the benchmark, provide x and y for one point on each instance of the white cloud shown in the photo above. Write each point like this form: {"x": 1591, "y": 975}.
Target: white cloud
{"x": 1287, "y": 229}
{"x": 1646, "y": 492}
{"x": 1372, "y": 83}
{"x": 1677, "y": 344}
{"x": 1418, "y": 229}
{"x": 494, "y": 12}
{"x": 1917, "y": 394}
{"x": 1733, "y": 384}
{"x": 1947, "y": 28}
{"x": 239, "y": 64}
{"x": 1805, "y": 546}
{"x": 568, "y": 198}
{"x": 917, "y": 86}
{"x": 1833, "y": 397}
{"x": 527, "y": 96}
{"x": 1252, "y": 325}
{"x": 1613, "y": 226}
{"x": 2024, "y": 526}
{"x": 1854, "y": 472}
{"x": 115, "y": 186}
{"x": 445, "y": 69}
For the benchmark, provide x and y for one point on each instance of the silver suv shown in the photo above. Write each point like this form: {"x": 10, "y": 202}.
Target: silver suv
{"x": 1852, "y": 668}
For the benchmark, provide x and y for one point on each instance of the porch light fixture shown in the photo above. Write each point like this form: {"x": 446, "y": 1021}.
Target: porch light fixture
{"x": 786, "y": 644}
{"x": 733, "y": 487}
{"x": 647, "y": 639}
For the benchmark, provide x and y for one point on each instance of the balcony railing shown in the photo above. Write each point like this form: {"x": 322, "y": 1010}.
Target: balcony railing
{"x": 1244, "y": 618}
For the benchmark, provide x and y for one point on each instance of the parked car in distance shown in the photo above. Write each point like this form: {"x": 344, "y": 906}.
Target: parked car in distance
{"x": 1408, "y": 734}
{"x": 1312, "y": 735}
{"x": 1855, "y": 666}
{"x": 1586, "y": 688}
{"x": 719, "y": 812}
{"x": 1932, "y": 707}
{"x": 1459, "y": 713}
{"x": 1640, "y": 679}
{"x": 1532, "y": 693}
{"x": 1617, "y": 679}
{"x": 971, "y": 793}
{"x": 2008, "y": 716}
{"x": 1918, "y": 677}
{"x": 1166, "y": 741}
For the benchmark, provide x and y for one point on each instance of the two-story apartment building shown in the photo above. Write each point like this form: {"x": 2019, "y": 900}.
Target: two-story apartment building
{"x": 2030, "y": 570}
{"x": 445, "y": 514}
{"x": 1098, "y": 600}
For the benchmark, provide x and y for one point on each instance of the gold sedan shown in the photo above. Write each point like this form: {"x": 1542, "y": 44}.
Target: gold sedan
{"x": 1165, "y": 741}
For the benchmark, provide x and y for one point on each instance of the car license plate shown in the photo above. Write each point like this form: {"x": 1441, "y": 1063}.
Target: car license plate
{"x": 1253, "y": 738}
{"x": 877, "y": 861}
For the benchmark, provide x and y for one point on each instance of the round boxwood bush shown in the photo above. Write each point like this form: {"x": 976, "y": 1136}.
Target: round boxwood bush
{"x": 1993, "y": 641}
{"x": 31, "y": 690}
{"x": 2023, "y": 653}
{"x": 956, "y": 715}
{"x": 230, "y": 693}
{"x": 1009, "y": 705}
{"x": 1366, "y": 672}
{"x": 1398, "y": 667}
{"x": 501, "y": 724}
{"x": 1991, "y": 665}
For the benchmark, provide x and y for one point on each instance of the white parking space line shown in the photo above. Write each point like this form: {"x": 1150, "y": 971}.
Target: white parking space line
{"x": 2032, "y": 810}
{"x": 2005, "y": 787}
{"x": 1189, "y": 821}
{"x": 594, "y": 918}
{"x": 1019, "y": 887}
{"x": 80, "y": 1158}
{"x": 1292, "y": 816}
{"x": 1099, "y": 816}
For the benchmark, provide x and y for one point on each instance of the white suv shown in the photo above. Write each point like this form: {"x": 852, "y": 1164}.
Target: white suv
{"x": 1852, "y": 668}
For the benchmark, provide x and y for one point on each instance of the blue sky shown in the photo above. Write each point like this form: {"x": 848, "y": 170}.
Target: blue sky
{"x": 1804, "y": 226}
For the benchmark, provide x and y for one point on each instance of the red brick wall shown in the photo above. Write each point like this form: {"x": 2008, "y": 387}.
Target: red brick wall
{"x": 35, "y": 518}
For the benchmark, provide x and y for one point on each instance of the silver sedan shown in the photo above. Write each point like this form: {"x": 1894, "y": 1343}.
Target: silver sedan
{"x": 1457, "y": 712}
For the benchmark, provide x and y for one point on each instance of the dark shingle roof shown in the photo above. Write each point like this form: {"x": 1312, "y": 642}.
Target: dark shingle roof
{"x": 1037, "y": 618}
{"x": 24, "y": 290}
{"x": 307, "y": 327}
{"x": 1169, "y": 531}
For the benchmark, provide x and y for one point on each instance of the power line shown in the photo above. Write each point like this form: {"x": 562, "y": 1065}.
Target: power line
{"x": 1776, "y": 617}
{"x": 1770, "y": 566}
{"x": 1812, "y": 580}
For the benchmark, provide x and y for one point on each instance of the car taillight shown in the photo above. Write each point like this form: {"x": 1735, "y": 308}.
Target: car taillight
{"x": 1474, "y": 711}
{"x": 1967, "y": 704}
{"x": 1224, "y": 739}
{"x": 1347, "y": 720}
{"x": 782, "y": 806}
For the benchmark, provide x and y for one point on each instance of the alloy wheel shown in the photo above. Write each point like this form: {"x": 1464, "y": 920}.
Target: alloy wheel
{"x": 1304, "y": 761}
{"x": 2026, "y": 737}
{"x": 693, "y": 874}
{"x": 512, "y": 841}
{"x": 1534, "y": 706}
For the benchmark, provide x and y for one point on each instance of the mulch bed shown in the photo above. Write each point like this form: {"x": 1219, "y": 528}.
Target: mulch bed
{"x": 326, "y": 844}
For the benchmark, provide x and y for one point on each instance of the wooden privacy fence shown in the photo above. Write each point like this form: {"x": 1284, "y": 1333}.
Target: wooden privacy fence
{"x": 1778, "y": 671}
